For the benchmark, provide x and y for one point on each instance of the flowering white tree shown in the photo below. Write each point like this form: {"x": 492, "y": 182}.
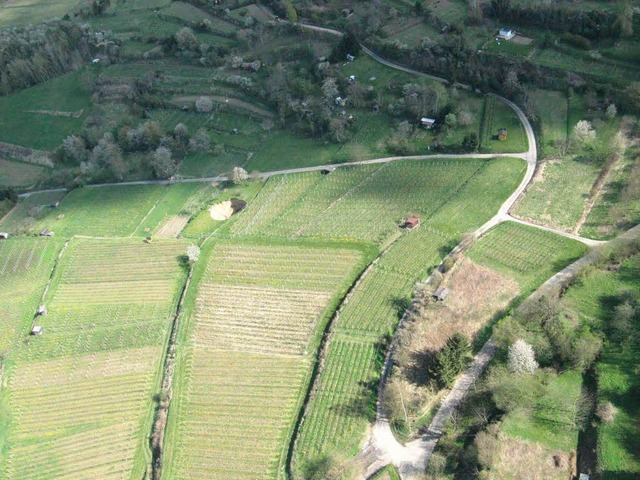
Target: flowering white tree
{"x": 193, "y": 252}
{"x": 522, "y": 360}
{"x": 612, "y": 111}
{"x": 239, "y": 175}
{"x": 583, "y": 132}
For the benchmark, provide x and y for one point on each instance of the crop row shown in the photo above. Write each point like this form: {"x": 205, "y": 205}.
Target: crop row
{"x": 366, "y": 203}
{"x": 257, "y": 319}
{"x": 341, "y": 406}
{"x": 235, "y": 414}
{"x": 73, "y": 416}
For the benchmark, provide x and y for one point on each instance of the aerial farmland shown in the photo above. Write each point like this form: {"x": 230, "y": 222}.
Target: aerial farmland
{"x": 319, "y": 240}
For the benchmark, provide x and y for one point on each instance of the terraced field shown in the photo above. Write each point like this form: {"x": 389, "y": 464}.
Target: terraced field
{"x": 79, "y": 399}
{"x": 245, "y": 357}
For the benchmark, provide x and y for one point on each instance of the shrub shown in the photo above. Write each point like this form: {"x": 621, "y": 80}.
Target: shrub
{"x": 576, "y": 41}
{"x": 606, "y": 412}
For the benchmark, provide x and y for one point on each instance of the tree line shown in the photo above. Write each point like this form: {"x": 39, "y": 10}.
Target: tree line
{"x": 33, "y": 54}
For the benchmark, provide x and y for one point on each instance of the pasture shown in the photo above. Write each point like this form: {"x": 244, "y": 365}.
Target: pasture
{"x": 551, "y": 108}
{"x": 251, "y": 333}
{"x": 21, "y": 174}
{"x": 498, "y": 116}
{"x": 79, "y": 398}
{"x": 67, "y": 93}
{"x": 527, "y": 254}
{"x": 558, "y": 192}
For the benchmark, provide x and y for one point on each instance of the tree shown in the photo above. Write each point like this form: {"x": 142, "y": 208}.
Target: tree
{"x": 465, "y": 117}
{"x": 181, "y": 136}
{"x": 511, "y": 83}
{"x": 625, "y": 18}
{"x": 470, "y": 142}
{"x": 75, "y": 149}
{"x": 451, "y": 120}
{"x": 632, "y": 94}
{"x": 583, "y": 133}
{"x": 204, "y": 104}
{"x": 200, "y": 142}
{"x": 239, "y": 175}
{"x": 348, "y": 44}
{"x": 193, "y": 252}
{"x": 606, "y": 412}
{"x": 612, "y": 111}
{"x": 186, "y": 39}
{"x": 452, "y": 359}
{"x": 290, "y": 11}
{"x": 162, "y": 163}
{"x": 329, "y": 89}
{"x": 522, "y": 359}
{"x": 622, "y": 321}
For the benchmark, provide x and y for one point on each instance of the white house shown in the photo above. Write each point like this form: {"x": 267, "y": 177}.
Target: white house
{"x": 506, "y": 34}
{"x": 427, "y": 122}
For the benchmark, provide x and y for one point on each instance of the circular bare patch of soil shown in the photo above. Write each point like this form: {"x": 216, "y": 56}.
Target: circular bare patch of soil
{"x": 225, "y": 210}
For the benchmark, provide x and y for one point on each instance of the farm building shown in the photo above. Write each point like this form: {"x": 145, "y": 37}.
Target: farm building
{"x": 46, "y": 233}
{"x": 327, "y": 171}
{"x": 352, "y": 79}
{"x": 427, "y": 123}
{"x": 411, "y": 223}
{"x": 36, "y": 330}
{"x": 42, "y": 310}
{"x": 350, "y": 57}
{"x": 502, "y": 134}
{"x": 440, "y": 294}
{"x": 341, "y": 102}
{"x": 4, "y": 235}
{"x": 505, "y": 34}
{"x": 375, "y": 107}
{"x": 584, "y": 476}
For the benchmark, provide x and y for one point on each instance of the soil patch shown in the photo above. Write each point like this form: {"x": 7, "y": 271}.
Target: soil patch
{"x": 225, "y": 210}
{"x": 520, "y": 40}
{"x": 173, "y": 226}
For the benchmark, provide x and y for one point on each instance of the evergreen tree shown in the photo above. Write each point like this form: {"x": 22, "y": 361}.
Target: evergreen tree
{"x": 452, "y": 359}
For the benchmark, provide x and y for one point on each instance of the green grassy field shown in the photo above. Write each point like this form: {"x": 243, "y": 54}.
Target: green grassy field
{"x": 551, "y": 423}
{"x": 96, "y": 212}
{"x": 251, "y": 333}
{"x": 22, "y": 218}
{"x": 552, "y": 110}
{"x": 79, "y": 400}
{"x": 527, "y": 254}
{"x": 30, "y": 12}
{"x": 594, "y": 299}
{"x": 498, "y": 116}
{"x": 20, "y": 174}
{"x": 67, "y": 93}
{"x": 618, "y": 207}
{"x": 558, "y": 194}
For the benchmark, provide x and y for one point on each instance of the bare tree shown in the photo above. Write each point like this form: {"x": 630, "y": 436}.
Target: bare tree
{"x": 204, "y": 104}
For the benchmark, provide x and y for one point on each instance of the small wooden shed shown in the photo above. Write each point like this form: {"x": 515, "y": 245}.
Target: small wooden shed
{"x": 46, "y": 233}
{"x": 502, "y": 134}
{"x": 411, "y": 223}
{"x": 350, "y": 57}
{"x": 441, "y": 294}
{"x": 4, "y": 235}
{"x": 42, "y": 310}
{"x": 36, "y": 330}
